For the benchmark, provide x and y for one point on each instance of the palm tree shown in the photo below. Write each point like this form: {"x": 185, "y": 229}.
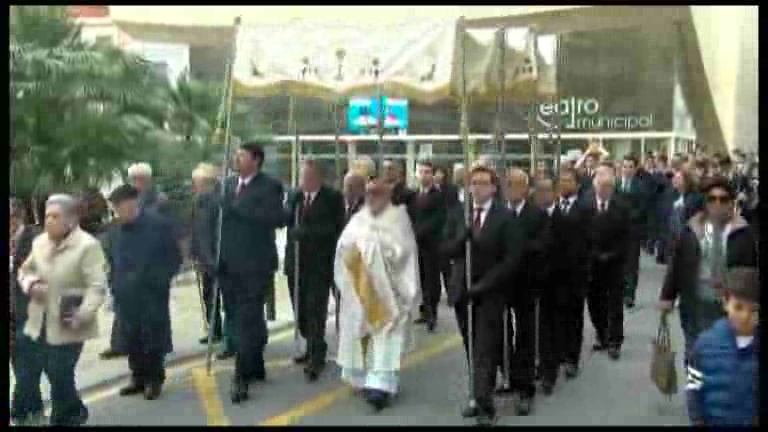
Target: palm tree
{"x": 78, "y": 112}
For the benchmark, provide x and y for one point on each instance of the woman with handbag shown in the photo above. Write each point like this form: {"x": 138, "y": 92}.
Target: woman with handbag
{"x": 64, "y": 280}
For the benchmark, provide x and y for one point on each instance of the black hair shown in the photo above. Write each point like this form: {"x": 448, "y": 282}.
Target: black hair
{"x": 484, "y": 169}
{"x": 718, "y": 182}
{"x": 123, "y": 193}
{"x": 743, "y": 283}
{"x": 427, "y": 163}
{"x": 256, "y": 149}
{"x": 633, "y": 158}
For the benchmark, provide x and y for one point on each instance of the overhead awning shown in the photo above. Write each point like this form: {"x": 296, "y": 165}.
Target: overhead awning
{"x": 418, "y": 59}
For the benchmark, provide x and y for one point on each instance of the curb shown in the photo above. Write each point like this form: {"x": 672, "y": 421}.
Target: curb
{"x": 173, "y": 362}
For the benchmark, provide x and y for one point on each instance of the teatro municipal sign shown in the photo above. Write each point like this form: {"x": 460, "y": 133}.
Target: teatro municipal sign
{"x": 584, "y": 114}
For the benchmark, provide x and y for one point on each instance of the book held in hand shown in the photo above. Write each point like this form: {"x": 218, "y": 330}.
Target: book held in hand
{"x": 69, "y": 307}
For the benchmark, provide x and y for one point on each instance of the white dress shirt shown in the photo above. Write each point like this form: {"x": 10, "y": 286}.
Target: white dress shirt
{"x": 568, "y": 203}
{"x": 518, "y": 208}
{"x": 243, "y": 182}
{"x": 551, "y": 209}
{"x": 600, "y": 204}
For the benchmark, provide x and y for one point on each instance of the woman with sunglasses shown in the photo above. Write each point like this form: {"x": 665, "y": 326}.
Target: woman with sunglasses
{"x": 713, "y": 241}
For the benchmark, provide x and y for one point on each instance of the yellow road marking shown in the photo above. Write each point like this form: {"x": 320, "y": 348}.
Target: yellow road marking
{"x": 177, "y": 369}
{"x": 208, "y": 392}
{"x": 328, "y": 398}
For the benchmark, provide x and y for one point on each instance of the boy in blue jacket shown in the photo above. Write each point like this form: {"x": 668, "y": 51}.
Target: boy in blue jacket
{"x": 723, "y": 366}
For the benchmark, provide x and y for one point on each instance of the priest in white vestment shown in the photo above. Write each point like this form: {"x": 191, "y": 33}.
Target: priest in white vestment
{"x": 376, "y": 271}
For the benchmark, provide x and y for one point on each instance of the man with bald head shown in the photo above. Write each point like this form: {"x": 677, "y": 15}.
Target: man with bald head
{"x": 394, "y": 175}
{"x": 610, "y": 230}
{"x": 375, "y": 270}
{"x": 532, "y": 221}
{"x": 354, "y": 194}
{"x": 315, "y": 220}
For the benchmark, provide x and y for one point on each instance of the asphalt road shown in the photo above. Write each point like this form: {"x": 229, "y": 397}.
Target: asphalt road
{"x": 433, "y": 387}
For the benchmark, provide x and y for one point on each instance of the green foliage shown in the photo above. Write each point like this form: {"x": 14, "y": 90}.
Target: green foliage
{"x": 78, "y": 112}
{"x": 81, "y": 112}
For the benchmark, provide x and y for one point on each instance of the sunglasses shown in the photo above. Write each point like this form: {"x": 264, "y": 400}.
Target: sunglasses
{"x": 722, "y": 199}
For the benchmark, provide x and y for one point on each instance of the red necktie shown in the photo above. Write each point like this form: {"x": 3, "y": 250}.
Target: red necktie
{"x": 477, "y": 223}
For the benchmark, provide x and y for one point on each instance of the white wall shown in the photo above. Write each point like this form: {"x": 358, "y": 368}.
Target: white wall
{"x": 175, "y": 56}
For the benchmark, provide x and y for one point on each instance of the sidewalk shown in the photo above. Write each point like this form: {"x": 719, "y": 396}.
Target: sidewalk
{"x": 187, "y": 323}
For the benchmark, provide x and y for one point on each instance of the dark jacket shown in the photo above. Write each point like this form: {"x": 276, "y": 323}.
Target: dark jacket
{"x": 249, "y": 223}
{"x": 451, "y": 193}
{"x": 144, "y": 258}
{"x": 682, "y": 273}
{"x": 402, "y": 195}
{"x": 202, "y": 245}
{"x": 319, "y": 229}
{"x": 609, "y": 233}
{"x": 428, "y": 213}
{"x": 572, "y": 244}
{"x": 23, "y": 248}
{"x": 723, "y": 379}
{"x": 534, "y": 224}
{"x": 496, "y": 255}
{"x": 637, "y": 200}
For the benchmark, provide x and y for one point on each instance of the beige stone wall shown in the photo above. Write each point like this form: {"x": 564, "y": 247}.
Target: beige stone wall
{"x": 728, "y": 43}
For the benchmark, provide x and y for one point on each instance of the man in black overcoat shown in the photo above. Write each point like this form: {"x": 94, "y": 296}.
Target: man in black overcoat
{"x": 549, "y": 329}
{"x": 570, "y": 229}
{"x": 428, "y": 212}
{"x": 610, "y": 231}
{"x": 532, "y": 221}
{"x": 315, "y": 218}
{"x": 144, "y": 258}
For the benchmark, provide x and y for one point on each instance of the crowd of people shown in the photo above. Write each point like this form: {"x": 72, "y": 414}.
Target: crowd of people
{"x": 518, "y": 271}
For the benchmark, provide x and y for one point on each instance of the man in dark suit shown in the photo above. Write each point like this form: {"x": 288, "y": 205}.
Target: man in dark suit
{"x": 394, "y": 174}
{"x": 570, "y": 230}
{"x": 450, "y": 191}
{"x": 610, "y": 231}
{"x": 446, "y": 186}
{"x": 588, "y": 175}
{"x": 495, "y": 254}
{"x": 252, "y": 209}
{"x": 532, "y": 221}
{"x": 428, "y": 211}
{"x": 354, "y": 195}
{"x": 633, "y": 190}
{"x": 315, "y": 218}
{"x": 549, "y": 330}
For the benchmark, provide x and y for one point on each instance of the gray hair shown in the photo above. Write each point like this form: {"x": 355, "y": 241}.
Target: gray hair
{"x": 69, "y": 204}
{"x": 141, "y": 169}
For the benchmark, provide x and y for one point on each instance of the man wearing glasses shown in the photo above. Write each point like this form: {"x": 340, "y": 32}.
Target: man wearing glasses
{"x": 714, "y": 241}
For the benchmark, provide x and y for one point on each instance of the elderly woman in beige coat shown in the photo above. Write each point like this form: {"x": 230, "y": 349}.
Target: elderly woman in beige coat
{"x": 64, "y": 278}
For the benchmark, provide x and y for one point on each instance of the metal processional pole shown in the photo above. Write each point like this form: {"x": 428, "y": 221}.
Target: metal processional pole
{"x": 225, "y": 116}
{"x": 464, "y": 131}
{"x": 380, "y": 117}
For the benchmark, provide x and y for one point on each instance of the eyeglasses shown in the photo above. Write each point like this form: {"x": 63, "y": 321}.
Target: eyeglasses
{"x": 722, "y": 199}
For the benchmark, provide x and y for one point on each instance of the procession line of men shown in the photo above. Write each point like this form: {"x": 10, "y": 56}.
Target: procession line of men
{"x": 382, "y": 277}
